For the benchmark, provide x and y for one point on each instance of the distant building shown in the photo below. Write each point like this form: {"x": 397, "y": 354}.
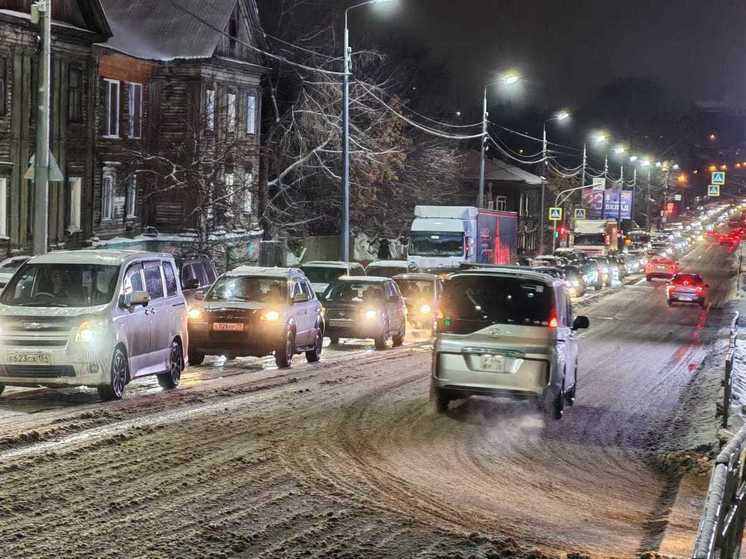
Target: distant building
{"x": 508, "y": 188}
{"x": 128, "y": 78}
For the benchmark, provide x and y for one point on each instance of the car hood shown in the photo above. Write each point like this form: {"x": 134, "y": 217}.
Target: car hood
{"x": 8, "y": 311}
{"x": 223, "y": 305}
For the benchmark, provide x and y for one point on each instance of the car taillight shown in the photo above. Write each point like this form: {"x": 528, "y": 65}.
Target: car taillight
{"x": 700, "y": 290}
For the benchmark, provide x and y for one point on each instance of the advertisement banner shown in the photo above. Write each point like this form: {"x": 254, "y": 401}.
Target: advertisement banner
{"x": 611, "y": 204}
{"x": 593, "y": 202}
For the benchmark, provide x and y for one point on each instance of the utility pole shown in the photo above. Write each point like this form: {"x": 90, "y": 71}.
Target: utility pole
{"x": 621, "y": 191}
{"x": 345, "y": 240}
{"x": 543, "y": 186}
{"x": 42, "y": 12}
{"x": 647, "y": 205}
{"x": 480, "y": 200}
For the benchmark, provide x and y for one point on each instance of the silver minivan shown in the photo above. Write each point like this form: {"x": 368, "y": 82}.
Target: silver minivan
{"x": 96, "y": 318}
{"x": 506, "y": 332}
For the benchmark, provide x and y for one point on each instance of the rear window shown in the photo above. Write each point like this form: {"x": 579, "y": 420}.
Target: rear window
{"x": 687, "y": 279}
{"x": 354, "y": 292}
{"x": 471, "y": 303}
{"x": 322, "y": 274}
{"x": 385, "y": 271}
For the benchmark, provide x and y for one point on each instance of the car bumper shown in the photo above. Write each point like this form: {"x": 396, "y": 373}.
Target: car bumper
{"x": 59, "y": 367}
{"x": 254, "y": 342}
{"x": 352, "y": 329}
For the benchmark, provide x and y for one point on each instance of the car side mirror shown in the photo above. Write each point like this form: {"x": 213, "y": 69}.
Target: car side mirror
{"x": 135, "y": 299}
{"x": 199, "y": 296}
{"x": 581, "y": 323}
{"x": 191, "y": 283}
{"x": 301, "y": 298}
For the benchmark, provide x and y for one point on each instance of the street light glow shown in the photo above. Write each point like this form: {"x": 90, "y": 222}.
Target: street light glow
{"x": 510, "y": 77}
{"x": 633, "y": 158}
{"x": 620, "y": 149}
{"x": 562, "y": 115}
{"x": 645, "y": 162}
{"x": 600, "y": 137}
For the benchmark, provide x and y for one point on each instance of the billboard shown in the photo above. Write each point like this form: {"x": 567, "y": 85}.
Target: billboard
{"x": 604, "y": 204}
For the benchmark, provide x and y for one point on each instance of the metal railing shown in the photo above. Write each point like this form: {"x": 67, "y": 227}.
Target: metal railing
{"x": 723, "y": 408}
{"x": 721, "y": 527}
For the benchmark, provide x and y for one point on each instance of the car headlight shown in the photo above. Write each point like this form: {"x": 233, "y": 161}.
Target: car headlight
{"x": 426, "y": 309}
{"x": 370, "y": 314}
{"x": 271, "y": 316}
{"x": 89, "y": 331}
{"x": 194, "y": 314}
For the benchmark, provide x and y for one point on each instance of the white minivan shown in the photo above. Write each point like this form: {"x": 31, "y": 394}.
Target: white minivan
{"x": 96, "y": 318}
{"x": 506, "y": 332}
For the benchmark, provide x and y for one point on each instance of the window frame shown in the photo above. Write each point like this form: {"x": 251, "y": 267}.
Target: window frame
{"x": 210, "y": 109}
{"x": 134, "y": 113}
{"x": 251, "y": 107}
{"x": 75, "y": 101}
{"x": 166, "y": 265}
{"x": 4, "y": 234}
{"x": 108, "y": 132}
{"x": 130, "y": 210}
{"x": 127, "y": 271}
{"x": 107, "y": 201}
{"x": 231, "y": 112}
{"x": 148, "y": 264}
{"x": 75, "y": 186}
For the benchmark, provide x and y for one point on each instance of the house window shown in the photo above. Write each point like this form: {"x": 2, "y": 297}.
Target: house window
{"x": 135, "y": 110}
{"x": 132, "y": 197}
{"x": 229, "y": 184}
{"x": 248, "y": 201}
{"x": 501, "y": 203}
{"x": 75, "y": 184}
{"x": 3, "y": 207}
{"x": 107, "y": 196}
{"x": 3, "y": 86}
{"x": 233, "y": 30}
{"x": 231, "y": 112}
{"x": 210, "y": 109}
{"x": 111, "y": 126}
{"x": 251, "y": 114}
{"x": 75, "y": 95}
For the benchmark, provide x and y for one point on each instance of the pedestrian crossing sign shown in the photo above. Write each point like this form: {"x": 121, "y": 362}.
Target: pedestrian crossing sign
{"x": 555, "y": 214}
{"x": 718, "y": 178}
{"x": 713, "y": 190}
{"x": 579, "y": 213}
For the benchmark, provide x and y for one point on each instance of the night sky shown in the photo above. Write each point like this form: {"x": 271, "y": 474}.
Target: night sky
{"x": 568, "y": 49}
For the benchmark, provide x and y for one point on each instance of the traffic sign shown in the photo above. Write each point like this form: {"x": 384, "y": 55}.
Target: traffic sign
{"x": 677, "y": 197}
{"x": 579, "y": 213}
{"x": 555, "y": 214}
{"x": 713, "y": 190}
{"x": 718, "y": 178}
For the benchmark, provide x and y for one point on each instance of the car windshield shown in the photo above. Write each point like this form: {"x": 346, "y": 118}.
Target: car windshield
{"x": 248, "y": 289}
{"x": 384, "y": 271}
{"x": 322, "y": 274}
{"x": 687, "y": 279}
{"x": 472, "y": 302}
{"x": 431, "y": 243}
{"x": 62, "y": 285}
{"x": 414, "y": 289}
{"x": 590, "y": 239}
{"x": 353, "y": 292}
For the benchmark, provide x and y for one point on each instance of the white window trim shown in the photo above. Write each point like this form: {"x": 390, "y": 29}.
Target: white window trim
{"x": 230, "y": 183}
{"x": 4, "y": 208}
{"x": 131, "y": 86}
{"x": 108, "y": 174}
{"x": 131, "y": 196}
{"x": 109, "y": 84}
{"x": 76, "y": 199}
{"x": 248, "y": 194}
{"x": 231, "y": 112}
{"x": 251, "y": 103}
{"x": 210, "y": 109}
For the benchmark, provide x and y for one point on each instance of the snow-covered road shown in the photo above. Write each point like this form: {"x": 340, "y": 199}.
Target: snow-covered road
{"x": 344, "y": 459}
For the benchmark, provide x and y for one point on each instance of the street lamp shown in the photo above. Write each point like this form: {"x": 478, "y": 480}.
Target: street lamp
{"x": 620, "y": 150}
{"x": 509, "y": 78}
{"x": 559, "y": 116}
{"x": 345, "y": 233}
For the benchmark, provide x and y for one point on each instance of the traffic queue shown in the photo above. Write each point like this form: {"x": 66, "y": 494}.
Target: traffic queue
{"x": 103, "y": 318}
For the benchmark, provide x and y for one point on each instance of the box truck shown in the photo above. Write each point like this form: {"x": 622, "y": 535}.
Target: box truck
{"x": 444, "y": 237}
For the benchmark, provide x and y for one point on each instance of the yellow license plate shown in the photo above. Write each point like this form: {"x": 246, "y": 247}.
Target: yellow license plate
{"x": 228, "y": 326}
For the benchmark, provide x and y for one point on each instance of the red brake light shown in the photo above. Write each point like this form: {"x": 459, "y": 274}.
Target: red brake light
{"x": 553, "y": 321}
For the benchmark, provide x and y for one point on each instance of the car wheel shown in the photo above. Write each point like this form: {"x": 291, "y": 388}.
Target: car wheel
{"x": 2, "y": 388}
{"x": 669, "y": 302}
{"x": 648, "y": 278}
{"x": 570, "y": 394}
{"x": 196, "y": 357}
{"x": 118, "y": 375}
{"x": 334, "y": 341}
{"x": 284, "y": 354}
{"x": 170, "y": 380}
{"x": 314, "y": 355}
{"x": 701, "y": 304}
{"x": 558, "y": 404}
{"x": 439, "y": 400}
{"x": 380, "y": 340}
{"x": 398, "y": 340}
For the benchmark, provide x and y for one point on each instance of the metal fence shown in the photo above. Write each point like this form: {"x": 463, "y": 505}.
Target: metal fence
{"x": 721, "y": 527}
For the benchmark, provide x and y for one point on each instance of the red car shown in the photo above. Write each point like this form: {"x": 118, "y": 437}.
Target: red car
{"x": 687, "y": 288}
{"x": 661, "y": 267}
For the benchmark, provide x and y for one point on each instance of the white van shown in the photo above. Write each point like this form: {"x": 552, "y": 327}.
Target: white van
{"x": 509, "y": 333}
{"x": 94, "y": 318}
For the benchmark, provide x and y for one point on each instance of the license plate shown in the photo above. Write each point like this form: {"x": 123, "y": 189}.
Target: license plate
{"x": 228, "y": 326}
{"x": 35, "y": 358}
{"x": 661, "y": 268}
{"x": 492, "y": 363}
{"x": 340, "y": 322}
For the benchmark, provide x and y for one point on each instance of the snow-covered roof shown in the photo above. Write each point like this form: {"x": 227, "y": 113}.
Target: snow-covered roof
{"x": 159, "y": 30}
{"x": 96, "y": 257}
{"x": 262, "y": 272}
{"x": 496, "y": 170}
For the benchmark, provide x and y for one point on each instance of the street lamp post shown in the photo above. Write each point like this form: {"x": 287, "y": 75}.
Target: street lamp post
{"x": 345, "y": 233}
{"x": 562, "y": 115}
